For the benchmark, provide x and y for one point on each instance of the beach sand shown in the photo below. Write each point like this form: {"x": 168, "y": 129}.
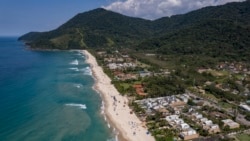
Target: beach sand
{"x": 130, "y": 128}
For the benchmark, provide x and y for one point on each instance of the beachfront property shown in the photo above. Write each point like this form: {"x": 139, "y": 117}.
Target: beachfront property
{"x": 231, "y": 124}
{"x": 186, "y": 132}
{"x": 189, "y": 134}
{"x": 175, "y": 105}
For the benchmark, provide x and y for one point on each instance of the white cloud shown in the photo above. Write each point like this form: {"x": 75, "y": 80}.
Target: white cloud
{"x": 153, "y": 9}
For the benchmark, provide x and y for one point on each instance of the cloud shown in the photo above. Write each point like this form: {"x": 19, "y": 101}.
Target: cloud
{"x": 153, "y": 9}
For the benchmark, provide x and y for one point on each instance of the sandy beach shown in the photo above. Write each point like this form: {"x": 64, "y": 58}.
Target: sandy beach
{"x": 130, "y": 128}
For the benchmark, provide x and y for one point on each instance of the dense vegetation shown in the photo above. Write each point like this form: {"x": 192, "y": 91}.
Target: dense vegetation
{"x": 96, "y": 28}
{"x": 216, "y": 32}
{"x": 160, "y": 86}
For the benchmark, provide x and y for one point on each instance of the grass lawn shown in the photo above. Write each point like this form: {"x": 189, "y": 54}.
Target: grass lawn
{"x": 243, "y": 137}
{"x": 151, "y": 59}
{"x": 125, "y": 85}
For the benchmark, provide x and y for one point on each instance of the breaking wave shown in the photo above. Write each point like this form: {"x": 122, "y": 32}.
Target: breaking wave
{"x": 75, "y": 69}
{"x": 87, "y": 71}
{"x": 115, "y": 138}
{"x": 75, "y": 62}
{"x": 81, "y": 106}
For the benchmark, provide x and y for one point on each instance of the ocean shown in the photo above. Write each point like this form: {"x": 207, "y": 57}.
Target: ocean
{"x": 48, "y": 96}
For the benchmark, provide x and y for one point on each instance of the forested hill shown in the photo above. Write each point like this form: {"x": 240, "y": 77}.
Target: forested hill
{"x": 221, "y": 32}
{"x": 207, "y": 30}
{"x": 95, "y": 28}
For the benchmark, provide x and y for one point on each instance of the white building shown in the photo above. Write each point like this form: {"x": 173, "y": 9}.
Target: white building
{"x": 245, "y": 107}
{"x": 231, "y": 123}
{"x": 112, "y": 66}
{"x": 203, "y": 119}
{"x": 172, "y": 118}
{"x": 184, "y": 126}
{"x": 189, "y": 134}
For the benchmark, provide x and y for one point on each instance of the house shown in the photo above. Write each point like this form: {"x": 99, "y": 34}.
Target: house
{"x": 184, "y": 126}
{"x": 203, "y": 120}
{"x": 231, "y": 123}
{"x": 110, "y": 60}
{"x": 177, "y": 103}
{"x": 179, "y": 121}
{"x": 101, "y": 53}
{"x": 164, "y": 111}
{"x": 197, "y": 116}
{"x": 144, "y": 73}
{"x": 184, "y": 98}
{"x": 189, "y": 134}
{"x": 119, "y": 59}
{"x": 112, "y": 66}
{"x": 245, "y": 107}
{"x": 207, "y": 123}
{"x": 214, "y": 128}
{"x": 172, "y": 118}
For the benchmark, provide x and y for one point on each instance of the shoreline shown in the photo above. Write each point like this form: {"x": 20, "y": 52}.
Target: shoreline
{"x": 116, "y": 108}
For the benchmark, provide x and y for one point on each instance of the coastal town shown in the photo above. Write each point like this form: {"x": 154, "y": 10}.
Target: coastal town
{"x": 216, "y": 109}
{"x": 125, "y": 70}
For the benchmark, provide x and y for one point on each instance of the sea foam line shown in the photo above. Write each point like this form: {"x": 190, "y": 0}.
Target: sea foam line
{"x": 81, "y": 106}
{"x": 87, "y": 71}
{"x": 75, "y": 62}
{"x": 75, "y": 69}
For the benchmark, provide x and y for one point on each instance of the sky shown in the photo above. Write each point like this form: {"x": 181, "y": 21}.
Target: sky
{"x": 19, "y": 17}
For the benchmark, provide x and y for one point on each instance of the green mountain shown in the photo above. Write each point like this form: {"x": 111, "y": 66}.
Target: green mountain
{"x": 218, "y": 32}
{"x": 96, "y": 28}
{"x": 212, "y": 31}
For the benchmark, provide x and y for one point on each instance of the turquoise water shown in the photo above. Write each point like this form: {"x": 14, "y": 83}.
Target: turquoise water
{"x": 47, "y": 96}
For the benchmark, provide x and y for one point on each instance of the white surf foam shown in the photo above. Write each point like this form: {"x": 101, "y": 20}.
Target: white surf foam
{"x": 79, "y": 53}
{"x": 87, "y": 71}
{"x": 115, "y": 138}
{"x": 81, "y": 106}
{"x": 75, "y": 62}
{"x": 102, "y": 108}
{"x": 75, "y": 69}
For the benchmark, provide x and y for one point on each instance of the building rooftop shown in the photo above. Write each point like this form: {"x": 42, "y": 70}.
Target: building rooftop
{"x": 230, "y": 123}
{"x": 246, "y": 107}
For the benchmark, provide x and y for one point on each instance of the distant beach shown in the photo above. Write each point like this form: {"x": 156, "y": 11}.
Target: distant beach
{"x": 116, "y": 106}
